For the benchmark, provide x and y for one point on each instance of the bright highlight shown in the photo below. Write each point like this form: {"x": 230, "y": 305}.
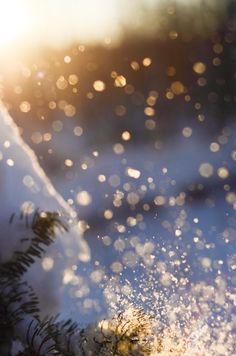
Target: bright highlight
{"x": 14, "y": 21}
{"x": 58, "y": 23}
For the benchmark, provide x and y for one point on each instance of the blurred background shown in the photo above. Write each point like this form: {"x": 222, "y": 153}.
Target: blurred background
{"x": 130, "y": 108}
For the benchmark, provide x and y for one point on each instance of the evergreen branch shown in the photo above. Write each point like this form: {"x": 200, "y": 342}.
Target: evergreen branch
{"x": 18, "y": 304}
{"x": 16, "y": 293}
{"x": 65, "y": 335}
{"x": 43, "y": 226}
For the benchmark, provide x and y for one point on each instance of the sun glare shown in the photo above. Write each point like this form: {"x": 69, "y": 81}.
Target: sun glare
{"x": 58, "y": 23}
{"x": 14, "y": 21}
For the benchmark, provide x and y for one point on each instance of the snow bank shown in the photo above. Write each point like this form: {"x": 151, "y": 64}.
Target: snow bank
{"x": 24, "y": 188}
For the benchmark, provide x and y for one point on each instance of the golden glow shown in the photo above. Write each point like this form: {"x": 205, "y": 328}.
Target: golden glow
{"x": 14, "y": 21}
{"x": 58, "y": 23}
{"x": 99, "y": 85}
{"x": 199, "y": 67}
